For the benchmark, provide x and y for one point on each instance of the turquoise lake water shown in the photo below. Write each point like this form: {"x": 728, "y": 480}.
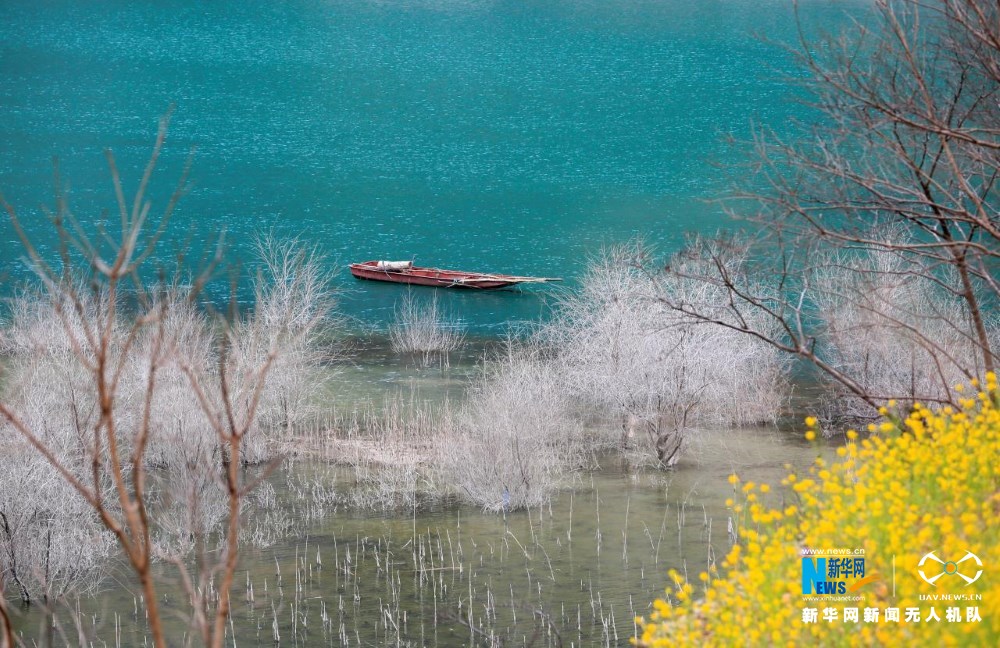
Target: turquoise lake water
{"x": 509, "y": 136}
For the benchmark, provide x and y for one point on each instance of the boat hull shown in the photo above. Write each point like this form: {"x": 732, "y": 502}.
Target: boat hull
{"x": 432, "y": 277}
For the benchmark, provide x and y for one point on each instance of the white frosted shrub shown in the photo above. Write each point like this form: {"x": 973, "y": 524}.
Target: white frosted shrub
{"x": 514, "y": 440}
{"x": 896, "y": 333}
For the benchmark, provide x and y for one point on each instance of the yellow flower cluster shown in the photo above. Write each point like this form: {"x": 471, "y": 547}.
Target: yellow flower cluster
{"x": 927, "y": 481}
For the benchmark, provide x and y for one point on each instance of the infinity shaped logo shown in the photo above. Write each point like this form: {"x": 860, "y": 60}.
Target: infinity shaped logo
{"x": 951, "y": 568}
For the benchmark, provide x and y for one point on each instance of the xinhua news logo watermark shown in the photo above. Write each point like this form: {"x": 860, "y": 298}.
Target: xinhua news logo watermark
{"x": 832, "y": 572}
{"x": 832, "y": 575}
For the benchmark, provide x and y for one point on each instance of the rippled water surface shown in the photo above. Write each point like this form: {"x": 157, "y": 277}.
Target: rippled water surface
{"x": 501, "y": 136}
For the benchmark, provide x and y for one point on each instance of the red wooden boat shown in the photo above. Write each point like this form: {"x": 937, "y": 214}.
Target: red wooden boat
{"x": 406, "y": 273}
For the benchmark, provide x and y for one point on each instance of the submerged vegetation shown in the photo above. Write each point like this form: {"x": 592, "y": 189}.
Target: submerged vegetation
{"x": 422, "y": 329}
{"x": 162, "y": 404}
{"x": 613, "y": 371}
{"x": 621, "y": 353}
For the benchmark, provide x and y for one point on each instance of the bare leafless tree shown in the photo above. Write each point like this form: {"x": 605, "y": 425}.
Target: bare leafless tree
{"x": 621, "y": 351}
{"x": 141, "y": 380}
{"x": 892, "y": 196}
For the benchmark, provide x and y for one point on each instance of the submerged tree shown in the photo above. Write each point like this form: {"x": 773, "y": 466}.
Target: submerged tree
{"x": 879, "y": 229}
{"x": 132, "y": 412}
{"x": 619, "y": 350}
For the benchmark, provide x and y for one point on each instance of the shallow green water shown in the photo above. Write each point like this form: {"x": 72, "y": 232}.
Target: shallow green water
{"x": 575, "y": 571}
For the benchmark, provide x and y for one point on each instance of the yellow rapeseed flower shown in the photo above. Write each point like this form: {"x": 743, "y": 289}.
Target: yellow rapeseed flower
{"x": 932, "y": 484}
